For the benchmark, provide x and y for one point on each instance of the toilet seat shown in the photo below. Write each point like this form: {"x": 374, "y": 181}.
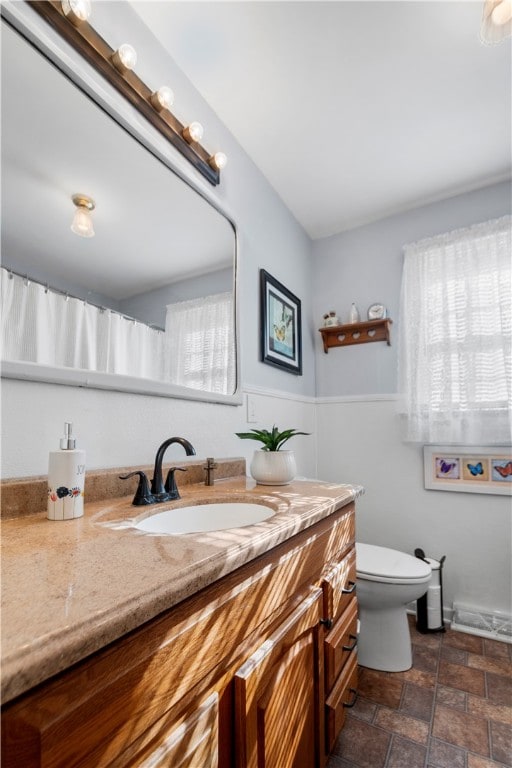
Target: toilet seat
{"x": 389, "y": 566}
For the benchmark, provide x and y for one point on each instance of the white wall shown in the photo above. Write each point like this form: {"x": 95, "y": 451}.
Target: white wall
{"x": 358, "y": 430}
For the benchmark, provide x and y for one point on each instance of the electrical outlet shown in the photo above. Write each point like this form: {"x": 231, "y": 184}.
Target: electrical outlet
{"x": 251, "y": 410}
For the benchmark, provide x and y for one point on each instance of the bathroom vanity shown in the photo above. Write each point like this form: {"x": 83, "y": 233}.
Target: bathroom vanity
{"x": 226, "y": 648}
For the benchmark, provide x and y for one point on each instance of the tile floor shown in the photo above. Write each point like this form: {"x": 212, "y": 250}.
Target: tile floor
{"x": 453, "y": 709}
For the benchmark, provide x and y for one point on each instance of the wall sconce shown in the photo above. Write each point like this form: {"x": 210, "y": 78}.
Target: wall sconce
{"x": 125, "y": 58}
{"x": 496, "y": 21}
{"x": 68, "y": 18}
{"x": 82, "y": 220}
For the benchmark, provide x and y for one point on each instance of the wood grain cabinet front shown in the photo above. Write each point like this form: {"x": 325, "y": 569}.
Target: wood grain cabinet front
{"x": 277, "y": 700}
{"x": 232, "y": 676}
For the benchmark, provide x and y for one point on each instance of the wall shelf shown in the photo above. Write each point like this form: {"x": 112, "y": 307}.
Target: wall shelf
{"x": 356, "y": 333}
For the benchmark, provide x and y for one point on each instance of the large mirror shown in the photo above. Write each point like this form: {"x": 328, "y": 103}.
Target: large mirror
{"x": 155, "y": 285}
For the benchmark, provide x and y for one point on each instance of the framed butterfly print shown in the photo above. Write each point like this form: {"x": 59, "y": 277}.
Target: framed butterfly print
{"x": 473, "y": 469}
{"x": 281, "y": 328}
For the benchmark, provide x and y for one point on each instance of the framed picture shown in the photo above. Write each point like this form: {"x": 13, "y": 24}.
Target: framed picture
{"x": 472, "y": 469}
{"x": 281, "y": 339}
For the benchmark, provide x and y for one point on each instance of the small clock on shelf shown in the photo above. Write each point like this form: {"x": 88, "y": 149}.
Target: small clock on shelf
{"x": 376, "y": 312}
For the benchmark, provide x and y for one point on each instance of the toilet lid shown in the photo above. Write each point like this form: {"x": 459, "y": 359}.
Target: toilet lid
{"x": 383, "y": 564}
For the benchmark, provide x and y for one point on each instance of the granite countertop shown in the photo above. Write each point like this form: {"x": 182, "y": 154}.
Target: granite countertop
{"x": 69, "y": 588}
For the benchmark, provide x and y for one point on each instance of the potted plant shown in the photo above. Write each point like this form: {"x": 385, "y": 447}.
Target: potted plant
{"x": 271, "y": 465}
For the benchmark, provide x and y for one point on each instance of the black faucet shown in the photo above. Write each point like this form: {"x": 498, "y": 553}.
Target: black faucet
{"x": 159, "y": 491}
{"x": 169, "y": 491}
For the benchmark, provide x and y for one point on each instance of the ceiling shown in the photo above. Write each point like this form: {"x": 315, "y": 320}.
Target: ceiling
{"x": 352, "y": 110}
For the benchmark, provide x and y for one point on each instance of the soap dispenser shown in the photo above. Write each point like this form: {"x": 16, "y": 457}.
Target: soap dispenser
{"x": 66, "y": 479}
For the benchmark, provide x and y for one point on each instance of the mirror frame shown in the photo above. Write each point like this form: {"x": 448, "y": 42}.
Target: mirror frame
{"x": 76, "y": 69}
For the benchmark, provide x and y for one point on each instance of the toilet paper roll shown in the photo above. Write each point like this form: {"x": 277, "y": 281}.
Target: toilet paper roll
{"x": 434, "y": 615}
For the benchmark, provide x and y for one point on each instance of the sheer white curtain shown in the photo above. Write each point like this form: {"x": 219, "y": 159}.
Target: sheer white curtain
{"x": 201, "y": 345}
{"x": 43, "y": 326}
{"x": 455, "y": 363}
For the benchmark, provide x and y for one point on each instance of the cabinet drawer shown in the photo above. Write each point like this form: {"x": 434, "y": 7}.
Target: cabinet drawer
{"x": 342, "y": 697}
{"x": 339, "y": 584}
{"x": 340, "y": 644}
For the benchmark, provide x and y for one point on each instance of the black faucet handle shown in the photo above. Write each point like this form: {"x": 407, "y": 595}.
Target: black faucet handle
{"x": 170, "y": 482}
{"x": 143, "y": 493}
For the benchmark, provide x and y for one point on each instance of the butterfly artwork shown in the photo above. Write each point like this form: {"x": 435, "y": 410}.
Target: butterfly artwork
{"x": 476, "y": 469}
{"x": 504, "y": 470}
{"x": 447, "y": 467}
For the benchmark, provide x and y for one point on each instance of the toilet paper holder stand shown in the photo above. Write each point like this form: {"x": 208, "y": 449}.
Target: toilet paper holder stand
{"x": 429, "y": 607}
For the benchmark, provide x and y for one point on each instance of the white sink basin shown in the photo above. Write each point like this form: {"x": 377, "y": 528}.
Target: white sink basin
{"x": 205, "y": 517}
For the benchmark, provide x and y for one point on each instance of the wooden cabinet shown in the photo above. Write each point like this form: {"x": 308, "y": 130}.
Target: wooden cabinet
{"x": 277, "y": 699}
{"x": 340, "y": 644}
{"x": 233, "y": 676}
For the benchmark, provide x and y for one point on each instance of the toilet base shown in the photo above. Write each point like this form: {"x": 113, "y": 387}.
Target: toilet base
{"x": 384, "y": 641}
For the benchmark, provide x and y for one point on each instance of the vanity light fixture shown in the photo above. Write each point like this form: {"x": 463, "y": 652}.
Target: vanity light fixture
{"x": 82, "y": 220}
{"x": 125, "y": 58}
{"x": 219, "y": 161}
{"x": 193, "y": 132}
{"x": 68, "y": 17}
{"x": 77, "y": 11}
{"x": 496, "y": 21}
{"x": 162, "y": 99}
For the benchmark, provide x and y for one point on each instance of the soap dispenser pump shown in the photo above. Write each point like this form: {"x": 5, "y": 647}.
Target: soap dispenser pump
{"x": 66, "y": 479}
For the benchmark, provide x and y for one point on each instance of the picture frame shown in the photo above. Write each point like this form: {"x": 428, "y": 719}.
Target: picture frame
{"x": 468, "y": 469}
{"x": 281, "y": 325}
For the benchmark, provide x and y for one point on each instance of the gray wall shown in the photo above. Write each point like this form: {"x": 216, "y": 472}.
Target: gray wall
{"x": 364, "y": 266}
{"x": 150, "y": 307}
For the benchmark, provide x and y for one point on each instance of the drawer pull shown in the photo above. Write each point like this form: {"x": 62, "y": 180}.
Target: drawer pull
{"x": 350, "y": 704}
{"x": 354, "y": 643}
{"x": 351, "y": 588}
{"x": 327, "y": 623}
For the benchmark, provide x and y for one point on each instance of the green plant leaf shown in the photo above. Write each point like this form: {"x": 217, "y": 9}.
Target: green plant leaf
{"x": 272, "y": 441}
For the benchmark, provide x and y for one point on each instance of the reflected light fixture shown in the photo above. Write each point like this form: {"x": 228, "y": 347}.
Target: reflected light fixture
{"x": 77, "y": 11}
{"x": 193, "y": 132}
{"x": 218, "y": 161}
{"x": 70, "y": 19}
{"x": 162, "y": 99}
{"x": 496, "y": 21}
{"x": 82, "y": 220}
{"x": 125, "y": 58}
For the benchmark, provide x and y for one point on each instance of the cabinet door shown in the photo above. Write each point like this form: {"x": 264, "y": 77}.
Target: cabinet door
{"x": 339, "y": 585}
{"x": 192, "y": 743}
{"x": 278, "y": 694}
{"x": 340, "y": 644}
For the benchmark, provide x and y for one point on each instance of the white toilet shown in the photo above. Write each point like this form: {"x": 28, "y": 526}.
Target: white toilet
{"x": 387, "y": 580}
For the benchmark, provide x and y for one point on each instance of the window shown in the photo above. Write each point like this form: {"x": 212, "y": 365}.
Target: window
{"x": 201, "y": 347}
{"x": 455, "y": 363}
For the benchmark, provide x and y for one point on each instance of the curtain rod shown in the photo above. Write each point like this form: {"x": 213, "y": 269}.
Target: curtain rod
{"x": 27, "y": 279}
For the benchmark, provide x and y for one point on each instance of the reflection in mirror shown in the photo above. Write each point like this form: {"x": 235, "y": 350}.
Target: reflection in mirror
{"x": 151, "y": 294}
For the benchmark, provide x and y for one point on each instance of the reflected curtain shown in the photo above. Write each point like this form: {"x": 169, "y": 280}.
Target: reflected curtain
{"x": 43, "y": 326}
{"x": 455, "y": 362}
{"x": 201, "y": 345}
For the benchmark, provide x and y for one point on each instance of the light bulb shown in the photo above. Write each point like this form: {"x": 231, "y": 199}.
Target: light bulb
{"x": 502, "y": 13}
{"x": 162, "y": 99}
{"x": 124, "y": 58}
{"x": 218, "y": 161}
{"x": 82, "y": 221}
{"x": 76, "y": 11}
{"x": 193, "y": 132}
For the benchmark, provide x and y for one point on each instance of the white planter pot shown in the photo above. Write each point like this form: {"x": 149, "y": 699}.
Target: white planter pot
{"x": 273, "y": 467}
